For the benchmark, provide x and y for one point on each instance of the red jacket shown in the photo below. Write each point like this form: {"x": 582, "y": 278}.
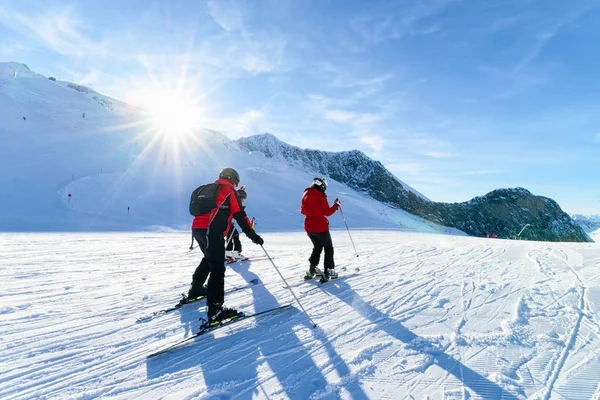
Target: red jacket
{"x": 228, "y": 206}
{"x": 315, "y": 207}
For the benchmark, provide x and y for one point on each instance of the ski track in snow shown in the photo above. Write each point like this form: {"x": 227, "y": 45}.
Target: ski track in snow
{"x": 427, "y": 316}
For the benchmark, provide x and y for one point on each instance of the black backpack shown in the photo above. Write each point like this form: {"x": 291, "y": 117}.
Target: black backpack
{"x": 204, "y": 199}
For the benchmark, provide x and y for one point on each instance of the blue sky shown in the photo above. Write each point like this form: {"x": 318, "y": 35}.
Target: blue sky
{"x": 457, "y": 98}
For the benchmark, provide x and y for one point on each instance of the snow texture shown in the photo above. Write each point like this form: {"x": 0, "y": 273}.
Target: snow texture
{"x": 428, "y": 316}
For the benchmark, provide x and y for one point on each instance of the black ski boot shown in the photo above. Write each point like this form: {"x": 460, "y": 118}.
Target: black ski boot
{"x": 311, "y": 273}
{"x": 217, "y": 314}
{"x": 331, "y": 273}
{"x": 196, "y": 290}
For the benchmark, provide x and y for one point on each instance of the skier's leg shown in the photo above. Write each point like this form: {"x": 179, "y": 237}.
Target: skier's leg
{"x": 328, "y": 261}
{"x": 236, "y": 241}
{"x": 315, "y": 256}
{"x": 216, "y": 283}
{"x": 215, "y": 253}
{"x": 203, "y": 269}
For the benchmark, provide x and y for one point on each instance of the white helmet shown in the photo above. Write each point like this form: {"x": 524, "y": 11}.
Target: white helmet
{"x": 321, "y": 183}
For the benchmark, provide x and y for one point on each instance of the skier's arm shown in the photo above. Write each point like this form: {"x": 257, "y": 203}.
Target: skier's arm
{"x": 326, "y": 210}
{"x": 237, "y": 211}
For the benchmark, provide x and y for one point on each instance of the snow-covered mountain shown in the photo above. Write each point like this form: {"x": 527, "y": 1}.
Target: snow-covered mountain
{"x": 503, "y": 211}
{"x": 73, "y": 159}
{"x": 589, "y": 223}
{"x": 354, "y": 168}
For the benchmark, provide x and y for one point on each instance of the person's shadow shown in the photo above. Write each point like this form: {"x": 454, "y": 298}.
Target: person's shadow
{"x": 291, "y": 363}
{"x": 470, "y": 378}
{"x": 230, "y": 363}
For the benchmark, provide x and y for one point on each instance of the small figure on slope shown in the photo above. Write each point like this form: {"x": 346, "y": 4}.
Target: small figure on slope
{"x": 233, "y": 252}
{"x": 213, "y": 206}
{"x": 315, "y": 208}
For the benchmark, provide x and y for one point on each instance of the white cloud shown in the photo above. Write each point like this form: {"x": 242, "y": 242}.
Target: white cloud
{"x": 400, "y": 169}
{"x": 228, "y": 14}
{"x": 360, "y": 122}
{"x": 403, "y": 19}
{"x": 60, "y": 31}
{"x": 254, "y": 53}
{"x": 439, "y": 154}
{"x": 247, "y": 123}
{"x": 484, "y": 172}
{"x": 339, "y": 116}
{"x": 547, "y": 34}
{"x": 374, "y": 142}
{"x": 9, "y": 50}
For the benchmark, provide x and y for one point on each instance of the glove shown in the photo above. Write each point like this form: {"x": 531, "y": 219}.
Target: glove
{"x": 255, "y": 238}
{"x": 338, "y": 202}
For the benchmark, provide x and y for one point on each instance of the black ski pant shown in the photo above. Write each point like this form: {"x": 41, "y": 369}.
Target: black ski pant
{"x": 234, "y": 242}
{"x": 213, "y": 247}
{"x": 320, "y": 241}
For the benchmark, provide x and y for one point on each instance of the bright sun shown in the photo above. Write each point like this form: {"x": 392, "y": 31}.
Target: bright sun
{"x": 171, "y": 112}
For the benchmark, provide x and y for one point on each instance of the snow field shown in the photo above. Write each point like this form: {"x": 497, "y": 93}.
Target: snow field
{"x": 428, "y": 316}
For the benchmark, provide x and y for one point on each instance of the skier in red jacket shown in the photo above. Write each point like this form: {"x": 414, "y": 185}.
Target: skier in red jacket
{"x": 208, "y": 230}
{"x": 316, "y": 208}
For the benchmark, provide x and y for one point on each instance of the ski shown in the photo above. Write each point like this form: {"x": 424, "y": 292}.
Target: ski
{"x": 184, "y": 301}
{"x": 343, "y": 274}
{"x": 247, "y": 259}
{"x": 204, "y": 328}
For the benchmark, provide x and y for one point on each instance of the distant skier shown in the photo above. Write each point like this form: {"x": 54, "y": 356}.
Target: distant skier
{"x": 214, "y": 205}
{"x": 315, "y": 208}
{"x": 233, "y": 251}
{"x": 494, "y": 236}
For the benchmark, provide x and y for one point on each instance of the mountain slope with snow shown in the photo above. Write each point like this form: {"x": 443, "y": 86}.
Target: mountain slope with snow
{"x": 503, "y": 211}
{"x": 428, "y": 316}
{"x": 59, "y": 139}
{"x": 353, "y": 168}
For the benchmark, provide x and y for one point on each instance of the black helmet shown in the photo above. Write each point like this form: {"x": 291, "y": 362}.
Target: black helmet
{"x": 231, "y": 175}
{"x": 242, "y": 193}
{"x": 320, "y": 183}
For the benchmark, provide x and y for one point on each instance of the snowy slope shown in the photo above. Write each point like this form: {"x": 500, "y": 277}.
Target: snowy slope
{"x": 429, "y": 316}
{"x": 122, "y": 177}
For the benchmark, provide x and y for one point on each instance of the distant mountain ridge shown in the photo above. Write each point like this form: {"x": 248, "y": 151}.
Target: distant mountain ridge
{"x": 502, "y": 211}
{"x": 589, "y": 223}
{"x": 354, "y": 168}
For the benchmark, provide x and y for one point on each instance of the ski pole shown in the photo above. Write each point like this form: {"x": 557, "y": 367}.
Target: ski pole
{"x": 229, "y": 237}
{"x": 289, "y": 288}
{"x": 344, "y": 218}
